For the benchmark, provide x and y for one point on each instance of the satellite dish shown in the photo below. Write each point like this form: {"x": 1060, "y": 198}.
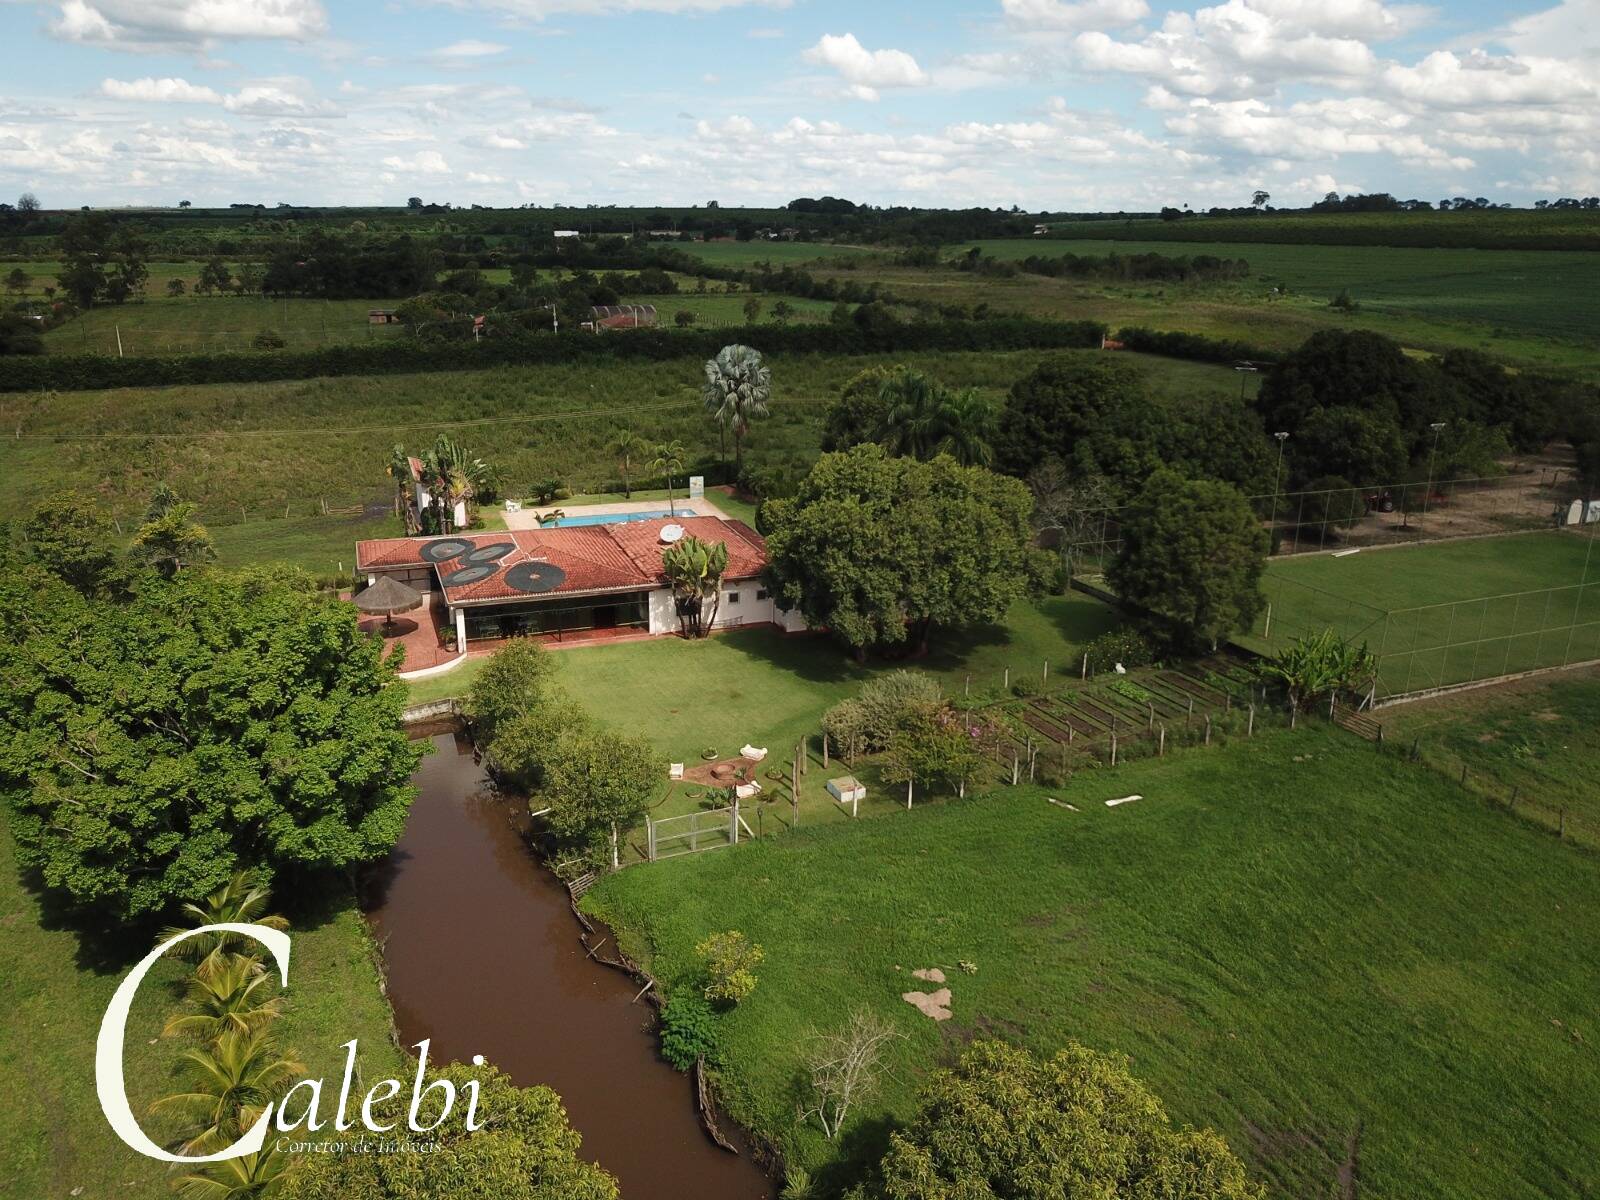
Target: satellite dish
{"x": 444, "y": 549}
{"x": 671, "y": 533}
{"x": 535, "y": 577}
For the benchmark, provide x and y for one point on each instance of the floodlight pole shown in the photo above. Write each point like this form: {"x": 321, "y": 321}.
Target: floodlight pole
{"x": 1437, "y": 427}
{"x": 1277, "y": 476}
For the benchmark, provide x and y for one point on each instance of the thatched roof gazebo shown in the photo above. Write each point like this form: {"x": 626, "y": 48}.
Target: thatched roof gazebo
{"x": 388, "y": 596}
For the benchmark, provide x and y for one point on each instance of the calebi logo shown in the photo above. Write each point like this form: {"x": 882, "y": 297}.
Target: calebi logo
{"x": 111, "y": 1085}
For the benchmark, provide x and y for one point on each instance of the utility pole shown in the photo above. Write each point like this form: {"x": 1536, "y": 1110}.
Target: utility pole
{"x": 1277, "y": 476}
{"x": 1437, "y": 427}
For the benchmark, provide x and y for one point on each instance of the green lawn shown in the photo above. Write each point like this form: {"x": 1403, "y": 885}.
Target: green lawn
{"x": 760, "y": 686}
{"x": 325, "y": 546}
{"x": 161, "y": 324}
{"x": 54, "y": 988}
{"x": 1534, "y": 738}
{"x": 779, "y": 254}
{"x": 716, "y": 309}
{"x": 1508, "y": 604}
{"x": 1298, "y": 941}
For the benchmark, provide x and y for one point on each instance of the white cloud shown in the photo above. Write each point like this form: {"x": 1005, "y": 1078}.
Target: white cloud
{"x": 468, "y": 49}
{"x": 499, "y": 141}
{"x": 178, "y": 91}
{"x": 866, "y": 70}
{"x": 1444, "y": 80}
{"x": 1056, "y": 15}
{"x": 423, "y": 162}
{"x": 164, "y": 25}
{"x": 538, "y": 10}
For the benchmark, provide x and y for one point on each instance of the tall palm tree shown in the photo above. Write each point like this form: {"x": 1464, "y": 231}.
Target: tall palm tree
{"x": 737, "y": 389}
{"x": 243, "y": 900}
{"x": 399, "y": 470}
{"x": 248, "y": 1177}
{"x": 969, "y": 428}
{"x": 626, "y": 446}
{"x": 230, "y": 994}
{"x": 916, "y": 419}
{"x": 669, "y": 461}
{"x": 231, "y": 1082}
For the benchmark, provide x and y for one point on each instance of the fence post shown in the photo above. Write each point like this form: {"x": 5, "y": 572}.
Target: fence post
{"x": 908, "y": 793}
{"x": 794, "y": 792}
{"x": 1085, "y": 673}
{"x": 615, "y": 861}
{"x": 967, "y": 691}
{"x": 650, "y": 839}
{"x": 1044, "y": 680}
{"x": 733, "y": 821}
{"x": 1208, "y": 729}
{"x": 1161, "y": 743}
{"x": 1014, "y": 766}
{"x": 1267, "y": 632}
{"x": 1151, "y": 722}
{"x": 805, "y": 752}
{"x": 1006, "y": 686}
{"x": 1250, "y": 725}
{"x": 824, "y": 751}
{"x": 1113, "y": 749}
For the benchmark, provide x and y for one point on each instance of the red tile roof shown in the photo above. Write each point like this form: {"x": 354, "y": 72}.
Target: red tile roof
{"x": 596, "y": 558}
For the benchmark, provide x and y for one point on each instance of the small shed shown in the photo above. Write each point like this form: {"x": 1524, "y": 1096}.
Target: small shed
{"x": 847, "y": 789}
{"x": 380, "y": 316}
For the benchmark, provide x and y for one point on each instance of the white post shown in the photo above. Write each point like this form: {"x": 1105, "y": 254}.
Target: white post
{"x": 733, "y": 824}
{"x": 908, "y": 794}
{"x": 1267, "y": 632}
{"x": 615, "y": 862}
{"x": 118, "y": 328}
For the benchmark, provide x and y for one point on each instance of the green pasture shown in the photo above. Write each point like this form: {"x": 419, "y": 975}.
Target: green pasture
{"x": 747, "y": 254}
{"x": 1547, "y": 292}
{"x": 1308, "y": 945}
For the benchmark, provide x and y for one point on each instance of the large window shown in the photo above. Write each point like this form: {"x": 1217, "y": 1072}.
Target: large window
{"x": 558, "y": 617}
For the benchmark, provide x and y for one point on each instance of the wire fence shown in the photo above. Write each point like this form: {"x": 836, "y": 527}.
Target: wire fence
{"x": 1375, "y": 515}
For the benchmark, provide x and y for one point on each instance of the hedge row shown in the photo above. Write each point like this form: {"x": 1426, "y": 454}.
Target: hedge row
{"x": 86, "y": 372}
{"x": 1193, "y": 346}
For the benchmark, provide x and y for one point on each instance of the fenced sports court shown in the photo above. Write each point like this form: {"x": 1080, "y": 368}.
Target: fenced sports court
{"x": 1451, "y": 641}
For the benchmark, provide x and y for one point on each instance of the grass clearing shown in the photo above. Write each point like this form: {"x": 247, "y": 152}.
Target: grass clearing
{"x": 780, "y": 254}
{"x": 161, "y": 324}
{"x": 1294, "y": 940}
{"x": 1533, "y": 737}
{"x": 54, "y": 988}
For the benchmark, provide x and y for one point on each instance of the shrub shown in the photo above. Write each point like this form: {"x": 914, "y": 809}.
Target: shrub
{"x": 885, "y": 706}
{"x": 730, "y": 960}
{"x": 268, "y": 339}
{"x": 688, "y": 1030}
{"x": 1126, "y": 646}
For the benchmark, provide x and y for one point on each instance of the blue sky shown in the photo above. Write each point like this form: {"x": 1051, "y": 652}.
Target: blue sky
{"x": 1059, "y": 104}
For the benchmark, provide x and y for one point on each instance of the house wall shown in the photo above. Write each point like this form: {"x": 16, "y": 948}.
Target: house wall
{"x": 420, "y": 578}
{"x": 746, "y": 610}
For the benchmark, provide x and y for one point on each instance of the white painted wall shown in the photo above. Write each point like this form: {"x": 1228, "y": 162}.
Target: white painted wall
{"x": 747, "y": 610}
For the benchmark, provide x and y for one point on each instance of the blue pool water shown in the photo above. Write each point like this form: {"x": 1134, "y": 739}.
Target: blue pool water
{"x": 612, "y": 518}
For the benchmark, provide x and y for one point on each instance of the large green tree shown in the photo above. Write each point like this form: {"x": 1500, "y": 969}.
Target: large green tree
{"x": 857, "y": 414}
{"x": 881, "y": 549}
{"x": 526, "y": 1150}
{"x": 1194, "y": 551}
{"x": 71, "y": 538}
{"x": 1089, "y": 411}
{"x": 1003, "y": 1125}
{"x": 153, "y": 745}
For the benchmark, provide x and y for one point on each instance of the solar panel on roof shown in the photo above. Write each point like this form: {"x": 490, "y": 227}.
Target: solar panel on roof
{"x": 469, "y": 574}
{"x": 444, "y": 549}
{"x": 535, "y": 577}
{"x": 493, "y": 552}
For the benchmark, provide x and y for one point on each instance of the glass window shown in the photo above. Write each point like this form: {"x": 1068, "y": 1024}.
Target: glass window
{"x": 733, "y": 597}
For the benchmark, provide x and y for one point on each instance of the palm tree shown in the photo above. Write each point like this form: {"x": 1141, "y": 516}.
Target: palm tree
{"x": 969, "y": 428}
{"x": 917, "y": 420}
{"x": 669, "y": 461}
{"x": 232, "y": 1081}
{"x": 399, "y": 470}
{"x": 243, "y": 900}
{"x": 695, "y": 570}
{"x": 737, "y": 389}
{"x": 229, "y": 994}
{"x": 248, "y": 1177}
{"x": 627, "y": 446}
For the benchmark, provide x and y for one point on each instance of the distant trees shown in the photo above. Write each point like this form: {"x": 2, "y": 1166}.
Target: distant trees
{"x": 857, "y": 414}
{"x": 1193, "y": 551}
{"x": 1091, "y": 413}
{"x": 103, "y": 261}
{"x": 175, "y": 287}
{"x": 27, "y": 203}
{"x": 17, "y": 281}
{"x": 1077, "y": 1124}
{"x": 627, "y": 447}
{"x": 924, "y": 418}
{"x": 19, "y": 335}
{"x": 881, "y": 550}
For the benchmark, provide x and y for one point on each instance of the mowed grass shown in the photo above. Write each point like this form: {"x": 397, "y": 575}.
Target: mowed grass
{"x": 716, "y": 309}
{"x": 1532, "y": 740}
{"x": 1529, "y": 291}
{"x": 161, "y": 324}
{"x": 1499, "y": 604}
{"x": 760, "y": 686}
{"x": 1297, "y": 940}
{"x": 54, "y": 988}
{"x": 249, "y": 452}
{"x": 746, "y": 254}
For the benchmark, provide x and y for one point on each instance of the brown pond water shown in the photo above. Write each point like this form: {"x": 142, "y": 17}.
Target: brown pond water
{"x": 483, "y": 958}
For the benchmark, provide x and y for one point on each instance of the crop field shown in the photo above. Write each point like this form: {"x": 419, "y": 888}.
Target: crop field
{"x": 714, "y": 309}
{"x": 747, "y": 254}
{"x": 1445, "y": 612}
{"x": 1527, "y": 291}
{"x": 275, "y": 451}
{"x": 1500, "y": 229}
{"x": 1219, "y": 931}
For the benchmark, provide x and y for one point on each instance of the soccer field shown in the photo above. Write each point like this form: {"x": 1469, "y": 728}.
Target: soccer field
{"x": 1445, "y": 612}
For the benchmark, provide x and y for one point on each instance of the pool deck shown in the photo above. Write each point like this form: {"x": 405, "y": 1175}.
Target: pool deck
{"x": 528, "y": 518}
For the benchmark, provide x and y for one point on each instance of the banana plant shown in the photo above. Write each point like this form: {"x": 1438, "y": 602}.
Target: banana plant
{"x": 695, "y": 570}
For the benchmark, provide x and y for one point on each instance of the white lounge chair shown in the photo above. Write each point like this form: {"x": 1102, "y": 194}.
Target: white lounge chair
{"x": 745, "y": 790}
{"x": 674, "y": 770}
{"x": 753, "y": 753}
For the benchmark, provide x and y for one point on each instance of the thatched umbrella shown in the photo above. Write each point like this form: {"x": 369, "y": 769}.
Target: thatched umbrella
{"x": 388, "y": 596}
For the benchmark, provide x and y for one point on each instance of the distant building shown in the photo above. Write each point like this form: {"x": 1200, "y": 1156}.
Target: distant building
{"x": 381, "y": 316}
{"x": 567, "y": 233}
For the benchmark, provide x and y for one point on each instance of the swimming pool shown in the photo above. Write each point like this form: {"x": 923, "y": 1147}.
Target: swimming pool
{"x": 612, "y": 518}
